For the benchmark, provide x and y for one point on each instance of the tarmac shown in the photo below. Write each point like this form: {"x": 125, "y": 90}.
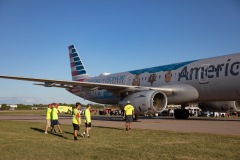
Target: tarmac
{"x": 210, "y": 125}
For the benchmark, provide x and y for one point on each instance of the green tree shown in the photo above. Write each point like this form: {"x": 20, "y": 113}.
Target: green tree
{"x": 5, "y": 107}
{"x": 23, "y": 107}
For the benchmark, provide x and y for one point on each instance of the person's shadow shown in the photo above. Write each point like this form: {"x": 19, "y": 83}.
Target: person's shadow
{"x": 71, "y": 133}
{"x": 37, "y": 129}
{"x": 42, "y": 131}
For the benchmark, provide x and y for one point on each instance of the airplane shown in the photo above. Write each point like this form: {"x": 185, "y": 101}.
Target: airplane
{"x": 212, "y": 83}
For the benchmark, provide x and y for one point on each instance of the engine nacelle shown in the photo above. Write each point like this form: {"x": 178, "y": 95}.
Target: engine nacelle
{"x": 146, "y": 101}
{"x": 220, "y": 106}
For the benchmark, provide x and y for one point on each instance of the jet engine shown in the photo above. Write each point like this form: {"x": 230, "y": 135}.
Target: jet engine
{"x": 220, "y": 106}
{"x": 146, "y": 101}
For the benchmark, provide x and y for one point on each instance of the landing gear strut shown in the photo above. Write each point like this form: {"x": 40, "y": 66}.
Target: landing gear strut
{"x": 181, "y": 113}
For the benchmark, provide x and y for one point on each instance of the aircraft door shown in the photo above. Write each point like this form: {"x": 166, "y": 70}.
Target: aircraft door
{"x": 203, "y": 74}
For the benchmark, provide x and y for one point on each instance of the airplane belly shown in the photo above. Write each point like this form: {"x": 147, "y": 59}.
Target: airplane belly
{"x": 222, "y": 89}
{"x": 105, "y": 101}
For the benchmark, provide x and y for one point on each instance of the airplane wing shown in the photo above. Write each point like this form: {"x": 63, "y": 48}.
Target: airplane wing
{"x": 89, "y": 85}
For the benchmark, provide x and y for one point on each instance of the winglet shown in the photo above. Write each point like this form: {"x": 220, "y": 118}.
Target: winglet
{"x": 79, "y": 72}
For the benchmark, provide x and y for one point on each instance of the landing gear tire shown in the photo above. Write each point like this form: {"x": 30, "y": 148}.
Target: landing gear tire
{"x": 181, "y": 114}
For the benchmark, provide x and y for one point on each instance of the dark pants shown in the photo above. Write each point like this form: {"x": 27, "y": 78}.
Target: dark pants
{"x": 129, "y": 118}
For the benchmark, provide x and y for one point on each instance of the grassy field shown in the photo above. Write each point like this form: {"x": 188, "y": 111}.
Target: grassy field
{"x": 7, "y": 112}
{"x": 24, "y": 140}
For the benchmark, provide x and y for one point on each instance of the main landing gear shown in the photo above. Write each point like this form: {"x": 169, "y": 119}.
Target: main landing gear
{"x": 181, "y": 113}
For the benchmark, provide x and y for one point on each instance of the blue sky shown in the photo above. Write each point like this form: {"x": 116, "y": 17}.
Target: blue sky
{"x": 110, "y": 36}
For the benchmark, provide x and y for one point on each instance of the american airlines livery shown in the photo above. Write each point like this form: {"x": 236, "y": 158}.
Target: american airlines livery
{"x": 212, "y": 83}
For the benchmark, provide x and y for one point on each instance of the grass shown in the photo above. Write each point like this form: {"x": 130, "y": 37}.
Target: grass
{"x": 8, "y": 112}
{"x": 24, "y": 140}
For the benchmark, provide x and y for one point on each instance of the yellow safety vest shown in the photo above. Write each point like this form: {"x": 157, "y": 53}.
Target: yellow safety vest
{"x": 74, "y": 118}
{"x": 48, "y": 113}
{"x": 54, "y": 114}
{"x": 128, "y": 109}
{"x": 87, "y": 116}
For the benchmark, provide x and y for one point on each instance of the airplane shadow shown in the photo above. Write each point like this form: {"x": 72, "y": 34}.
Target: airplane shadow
{"x": 192, "y": 118}
{"x": 102, "y": 118}
{"x": 211, "y": 119}
{"x": 42, "y": 131}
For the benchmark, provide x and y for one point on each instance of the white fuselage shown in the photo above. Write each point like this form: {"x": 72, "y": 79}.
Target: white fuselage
{"x": 215, "y": 79}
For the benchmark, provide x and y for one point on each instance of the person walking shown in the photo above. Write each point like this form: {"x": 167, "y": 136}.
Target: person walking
{"x": 55, "y": 113}
{"x": 76, "y": 120}
{"x": 87, "y": 121}
{"x": 129, "y": 115}
{"x": 48, "y": 117}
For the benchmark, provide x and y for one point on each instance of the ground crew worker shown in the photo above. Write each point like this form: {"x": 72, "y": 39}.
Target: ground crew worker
{"x": 129, "y": 115}
{"x": 87, "y": 121}
{"x": 76, "y": 120}
{"x": 55, "y": 113}
{"x": 48, "y": 117}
